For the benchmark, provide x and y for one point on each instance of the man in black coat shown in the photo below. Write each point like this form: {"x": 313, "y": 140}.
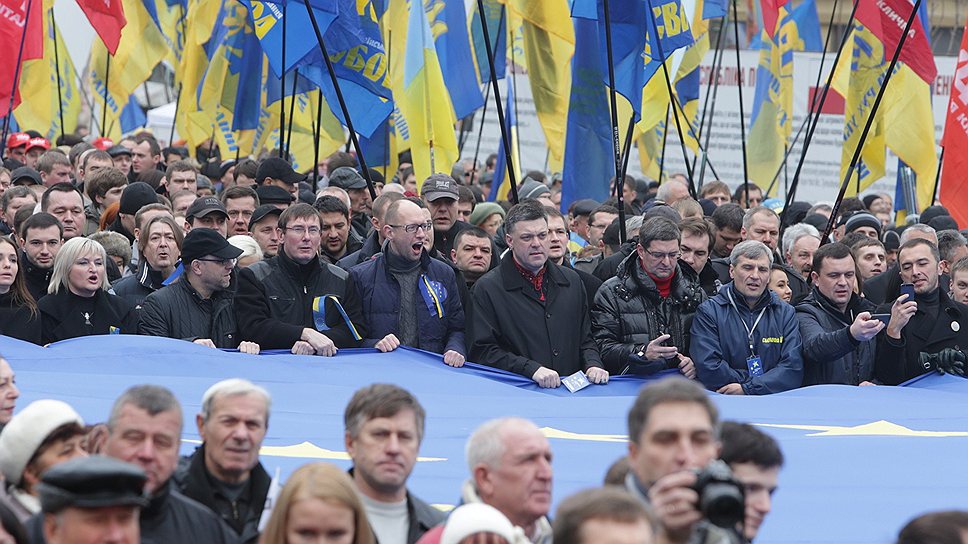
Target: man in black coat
{"x": 642, "y": 316}
{"x": 40, "y": 237}
{"x": 930, "y": 323}
{"x": 198, "y": 307}
{"x": 295, "y": 301}
{"x": 144, "y": 429}
{"x": 224, "y": 473}
{"x": 530, "y": 315}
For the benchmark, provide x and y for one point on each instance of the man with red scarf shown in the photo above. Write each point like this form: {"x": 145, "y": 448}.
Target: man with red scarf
{"x": 531, "y": 315}
{"x": 641, "y": 317}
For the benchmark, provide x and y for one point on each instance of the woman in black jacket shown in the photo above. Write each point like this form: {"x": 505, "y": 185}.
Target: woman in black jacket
{"x": 19, "y": 317}
{"x": 78, "y": 303}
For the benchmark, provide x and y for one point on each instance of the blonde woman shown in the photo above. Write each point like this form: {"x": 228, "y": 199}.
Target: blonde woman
{"x": 77, "y": 303}
{"x": 318, "y": 505}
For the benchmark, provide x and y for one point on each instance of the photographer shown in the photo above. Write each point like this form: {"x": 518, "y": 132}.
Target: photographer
{"x": 755, "y": 459}
{"x": 673, "y": 433}
{"x": 930, "y": 323}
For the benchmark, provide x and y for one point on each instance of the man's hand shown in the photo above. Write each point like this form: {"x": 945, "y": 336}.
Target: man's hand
{"x": 901, "y": 312}
{"x": 674, "y": 502}
{"x": 951, "y": 361}
{"x": 687, "y": 367}
{"x": 545, "y": 377}
{"x": 204, "y": 342}
{"x": 864, "y": 328}
{"x": 597, "y": 375}
{"x": 454, "y": 359}
{"x": 302, "y": 348}
{"x": 655, "y": 351}
{"x": 321, "y": 343}
{"x": 388, "y": 343}
{"x": 731, "y": 389}
{"x": 249, "y": 347}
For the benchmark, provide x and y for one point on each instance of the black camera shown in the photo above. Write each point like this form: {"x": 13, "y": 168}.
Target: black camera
{"x": 721, "y": 498}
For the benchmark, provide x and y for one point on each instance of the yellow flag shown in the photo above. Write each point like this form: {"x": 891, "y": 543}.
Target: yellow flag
{"x": 40, "y": 82}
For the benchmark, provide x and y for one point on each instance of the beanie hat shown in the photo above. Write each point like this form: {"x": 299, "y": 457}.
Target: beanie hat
{"x": 862, "y": 219}
{"x": 484, "y": 210}
{"x": 474, "y": 518}
{"x": 27, "y": 431}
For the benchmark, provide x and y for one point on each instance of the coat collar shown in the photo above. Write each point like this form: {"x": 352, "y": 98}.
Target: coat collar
{"x": 513, "y": 280}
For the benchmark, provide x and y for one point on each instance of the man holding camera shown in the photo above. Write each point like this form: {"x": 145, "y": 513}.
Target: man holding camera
{"x": 672, "y": 435}
{"x": 931, "y": 323}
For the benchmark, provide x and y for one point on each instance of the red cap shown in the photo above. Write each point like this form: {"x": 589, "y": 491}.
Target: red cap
{"x": 17, "y": 139}
{"x": 103, "y": 143}
{"x": 38, "y": 142}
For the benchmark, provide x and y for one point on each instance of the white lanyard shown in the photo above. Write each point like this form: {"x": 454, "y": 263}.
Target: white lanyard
{"x": 749, "y": 331}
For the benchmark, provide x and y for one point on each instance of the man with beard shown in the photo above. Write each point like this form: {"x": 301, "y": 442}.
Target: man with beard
{"x": 337, "y": 239}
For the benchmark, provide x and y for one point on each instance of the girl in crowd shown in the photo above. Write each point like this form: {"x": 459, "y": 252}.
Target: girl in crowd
{"x": 78, "y": 303}
{"x": 318, "y": 505}
{"x": 19, "y": 317}
{"x": 779, "y": 283}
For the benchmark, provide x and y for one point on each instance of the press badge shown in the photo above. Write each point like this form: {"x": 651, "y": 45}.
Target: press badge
{"x": 755, "y": 366}
{"x": 576, "y": 382}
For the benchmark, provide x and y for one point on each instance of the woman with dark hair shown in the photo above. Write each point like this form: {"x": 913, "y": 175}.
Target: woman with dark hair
{"x": 19, "y": 317}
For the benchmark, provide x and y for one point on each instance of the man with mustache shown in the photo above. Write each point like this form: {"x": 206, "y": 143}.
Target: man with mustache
{"x": 224, "y": 473}
{"x": 745, "y": 340}
{"x": 384, "y": 427}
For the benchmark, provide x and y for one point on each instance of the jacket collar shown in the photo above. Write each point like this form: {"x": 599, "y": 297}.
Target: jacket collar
{"x": 294, "y": 269}
{"x": 198, "y": 481}
{"x": 513, "y": 280}
{"x": 31, "y": 269}
{"x": 828, "y": 306}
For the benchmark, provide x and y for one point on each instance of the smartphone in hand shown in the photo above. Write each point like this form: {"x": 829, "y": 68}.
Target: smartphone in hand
{"x": 908, "y": 289}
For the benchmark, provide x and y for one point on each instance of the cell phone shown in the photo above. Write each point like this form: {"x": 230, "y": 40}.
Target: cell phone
{"x": 885, "y": 318}
{"x": 908, "y": 289}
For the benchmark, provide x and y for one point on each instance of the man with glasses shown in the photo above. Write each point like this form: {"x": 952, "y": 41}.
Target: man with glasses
{"x": 531, "y": 315}
{"x": 199, "y": 307}
{"x": 641, "y": 317}
{"x": 294, "y": 300}
{"x": 408, "y": 297}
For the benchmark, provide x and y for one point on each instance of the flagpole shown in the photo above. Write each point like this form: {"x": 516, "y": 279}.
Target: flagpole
{"x": 616, "y": 145}
{"x": 480, "y": 130}
{"x": 282, "y": 82}
{"x": 816, "y": 114}
{"x": 713, "y": 81}
{"x": 60, "y": 98}
{"x": 742, "y": 114}
{"x": 292, "y": 109}
{"x": 342, "y": 103}
{"x": 627, "y": 151}
{"x": 673, "y": 102}
{"x": 16, "y": 79}
{"x": 505, "y": 139}
{"x": 514, "y": 85}
{"x": 174, "y": 119}
{"x": 390, "y": 120}
{"x": 870, "y": 121}
{"x": 317, "y": 131}
{"x": 937, "y": 178}
{"x": 665, "y": 138}
{"x": 712, "y": 106}
{"x": 813, "y": 104}
{"x": 107, "y": 82}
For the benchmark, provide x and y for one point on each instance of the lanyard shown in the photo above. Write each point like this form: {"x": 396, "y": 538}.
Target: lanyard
{"x": 749, "y": 331}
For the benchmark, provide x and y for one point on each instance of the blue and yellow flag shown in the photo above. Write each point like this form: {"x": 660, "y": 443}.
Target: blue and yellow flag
{"x": 39, "y": 83}
{"x": 449, "y": 27}
{"x": 772, "y": 117}
{"x": 589, "y": 152}
{"x": 501, "y": 186}
{"x": 169, "y": 17}
{"x": 419, "y": 91}
{"x": 497, "y": 29}
{"x": 300, "y": 37}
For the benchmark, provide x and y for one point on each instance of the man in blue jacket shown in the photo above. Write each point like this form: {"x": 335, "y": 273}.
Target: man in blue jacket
{"x": 745, "y": 340}
{"x": 408, "y": 297}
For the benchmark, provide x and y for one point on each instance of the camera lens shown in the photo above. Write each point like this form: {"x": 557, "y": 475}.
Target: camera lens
{"x": 722, "y": 504}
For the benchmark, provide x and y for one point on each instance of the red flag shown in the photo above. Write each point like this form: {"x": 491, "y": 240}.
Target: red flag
{"x": 21, "y": 23}
{"x": 886, "y": 19}
{"x": 107, "y": 18}
{"x": 954, "y": 183}
{"x": 771, "y": 12}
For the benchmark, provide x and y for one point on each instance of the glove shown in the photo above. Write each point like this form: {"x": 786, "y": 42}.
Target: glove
{"x": 951, "y": 361}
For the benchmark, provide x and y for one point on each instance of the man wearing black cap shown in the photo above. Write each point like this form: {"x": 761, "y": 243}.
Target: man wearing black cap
{"x": 440, "y": 193}
{"x": 863, "y": 223}
{"x": 275, "y": 196}
{"x": 264, "y": 228}
{"x": 199, "y": 307}
{"x": 353, "y": 183}
{"x": 288, "y": 300}
{"x": 579, "y": 212}
{"x": 207, "y": 212}
{"x": 121, "y": 156}
{"x": 92, "y": 499}
{"x": 28, "y": 177}
{"x": 278, "y": 172}
{"x": 134, "y": 197}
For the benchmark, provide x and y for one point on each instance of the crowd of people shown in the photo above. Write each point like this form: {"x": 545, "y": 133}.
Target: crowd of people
{"x": 135, "y": 239}
{"x": 710, "y": 283}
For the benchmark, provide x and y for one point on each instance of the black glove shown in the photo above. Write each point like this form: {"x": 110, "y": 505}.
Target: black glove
{"x": 951, "y": 361}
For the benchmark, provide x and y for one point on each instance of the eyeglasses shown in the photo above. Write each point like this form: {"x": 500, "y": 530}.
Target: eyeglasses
{"x": 662, "y": 256}
{"x": 300, "y": 231}
{"x": 221, "y": 262}
{"x": 412, "y": 227}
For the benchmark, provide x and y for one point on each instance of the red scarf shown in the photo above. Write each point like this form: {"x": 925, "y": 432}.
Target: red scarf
{"x": 536, "y": 280}
{"x": 664, "y": 286}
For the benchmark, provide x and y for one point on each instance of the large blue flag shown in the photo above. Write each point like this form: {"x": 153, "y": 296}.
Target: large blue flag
{"x": 355, "y": 46}
{"x": 498, "y": 31}
{"x": 589, "y": 153}
{"x": 300, "y": 38}
{"x": 132, "y": 116}
{"x": 454, "y": 53}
